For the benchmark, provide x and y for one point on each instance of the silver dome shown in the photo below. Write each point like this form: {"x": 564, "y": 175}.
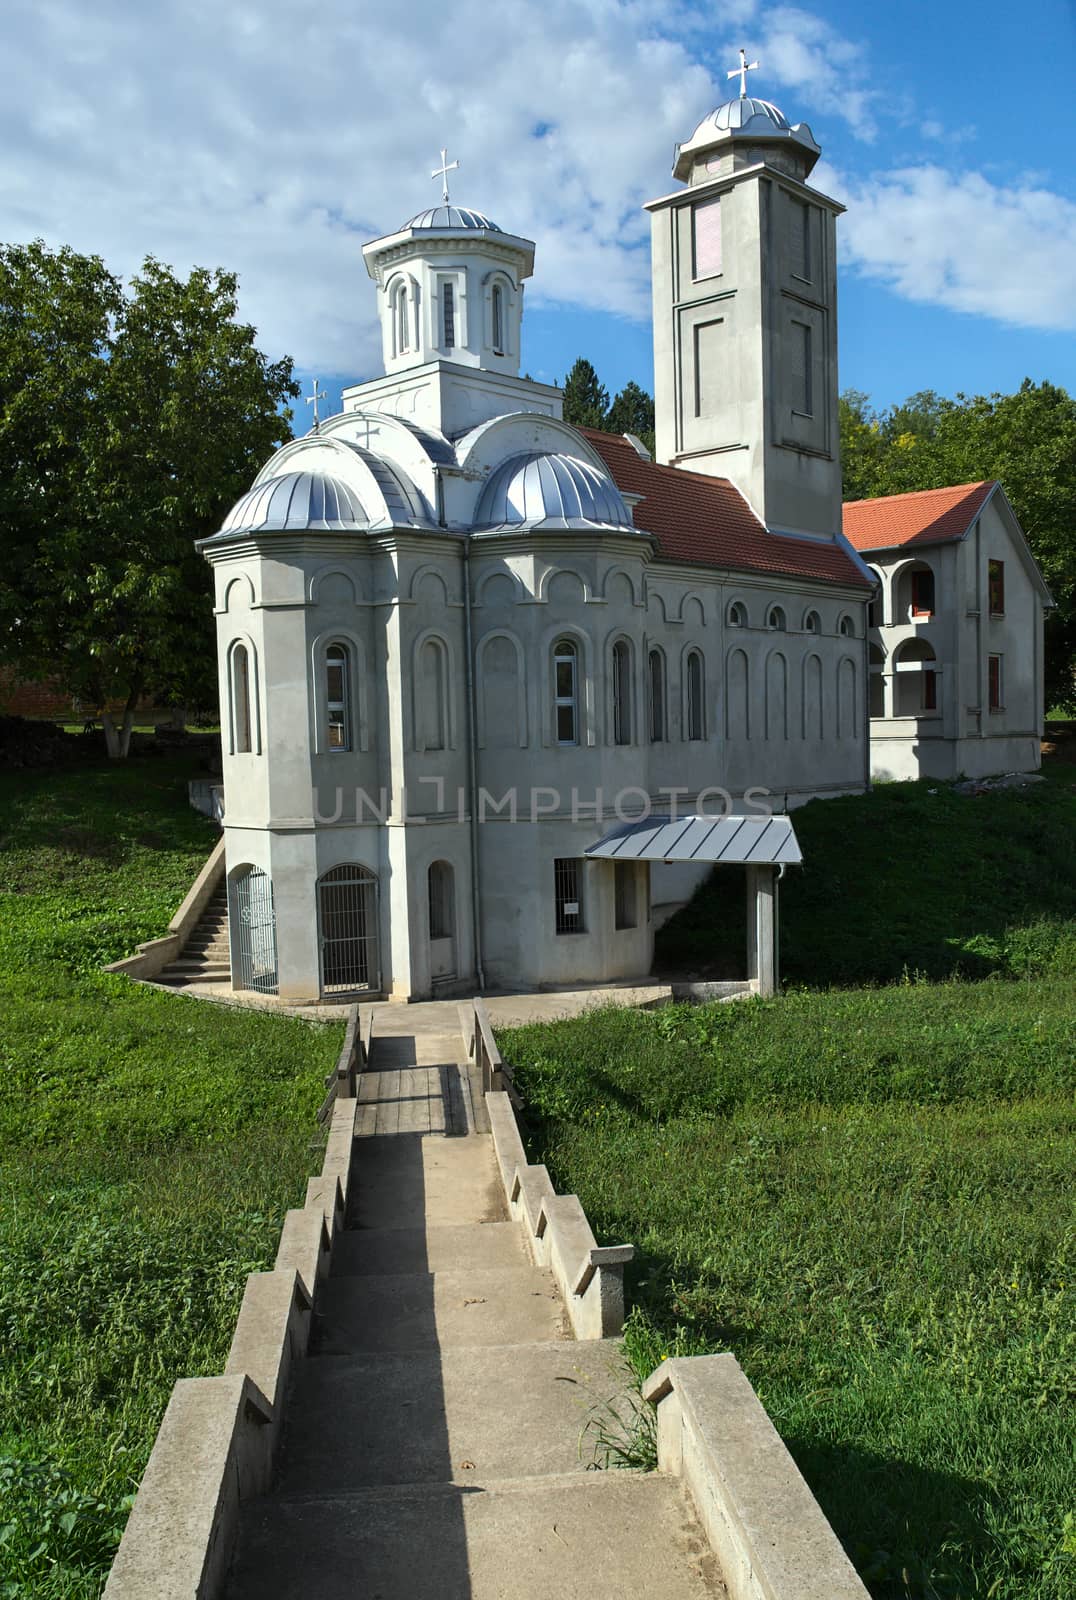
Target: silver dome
{"x": 451, "y": 217}
{"x": 298, "y": 500}
{"x": 745, "y": 115}
{"x": 541, "y": 489}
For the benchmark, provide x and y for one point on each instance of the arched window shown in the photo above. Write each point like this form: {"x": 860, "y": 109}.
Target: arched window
{"x": 656, "y": 674}
{"x": 441, "y": 900}
{"x": 497, "y": 311}
{"x": 622, "y": 692}
{"x": 338, "y": 697}
{"x": 401, "y": 336}
{"x": 776, "y": 620}
{"x": 696, "y": 710}
{"x": 432, "y": 696}
{"x": 565, "y": 692}
{"x": 737, "y": 615}
{"x": 812, "y": 623}
{"x": 242, "y": 742}
{"x": 847, "y": 628}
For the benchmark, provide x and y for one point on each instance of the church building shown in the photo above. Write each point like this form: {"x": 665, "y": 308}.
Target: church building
{"x": 460, "y": 641}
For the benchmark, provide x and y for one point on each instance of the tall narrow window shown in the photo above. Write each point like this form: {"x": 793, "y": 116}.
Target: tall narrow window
{"x": 441, "y": 900}
{"x": 657, "y": 696}
{"x": 498, "y": 319}
{"x": 930, "y": 689}
{"x": 241, "y": 721}
{"x": 622, "y": 692}
{"x": 568, "y": 897}
{"x": 402, "y": 340}
{"x": 337, "y": 697}
{"x": 448, "y": 308}
{"x": 802, "y": 386}
{"x": 996, "y": 582}
{"x": 695, "y": 709}
{"x": 626, "y": 914}
{"x": 432, "y": 696}
{"x": 922, "y": 594}
{"x": 566, "y": 692}
{"x": 995, "y": 683}
{"x": 800, "y": 238}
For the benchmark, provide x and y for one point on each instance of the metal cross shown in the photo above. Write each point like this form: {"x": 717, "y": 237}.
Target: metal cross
{"x": 312, "y": 400}
{"x": 443, "y": 171}
{"x": 741, "y": 72}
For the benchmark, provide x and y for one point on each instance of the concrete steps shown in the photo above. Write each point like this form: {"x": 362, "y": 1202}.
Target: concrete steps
{"x": 435, "y": 1436}
{"x": 206, "y": 956}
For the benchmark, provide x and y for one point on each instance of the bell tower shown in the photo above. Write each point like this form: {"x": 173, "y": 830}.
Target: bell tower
{"x": 745, "y": 316}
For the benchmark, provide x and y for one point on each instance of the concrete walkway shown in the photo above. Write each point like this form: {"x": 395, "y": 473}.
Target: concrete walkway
{"x": 433, "y": 1434}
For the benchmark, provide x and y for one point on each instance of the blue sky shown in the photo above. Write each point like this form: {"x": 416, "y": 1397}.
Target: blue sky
{"x": 275, "y": 140}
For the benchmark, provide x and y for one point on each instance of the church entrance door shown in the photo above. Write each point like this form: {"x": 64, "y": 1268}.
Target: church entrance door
{"x": 347, "y": 929}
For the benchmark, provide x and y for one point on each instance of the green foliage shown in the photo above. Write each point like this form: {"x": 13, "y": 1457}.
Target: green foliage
{"x": 866, "y": 1195}
{"x": 938, "y": 883}
{"x": 585, "y": 399}
{"x": 632, "y": 411}
{"x": 1026, "y": 439}
{"x": 149, "y": 1146}
{"x": 129, "y": 422}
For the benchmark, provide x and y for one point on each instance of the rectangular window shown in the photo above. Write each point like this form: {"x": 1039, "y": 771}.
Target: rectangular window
{"x": 564, "y": 691}
{"x": 800, "y": 238}
{"x": 706, "y": 239}
{"x": 930, "y": 690}
{"x": 567, "y": 887}
{"x": 922, "y": 594}
{"x": 996, "y": 584}
{"x": 448, "y": 305}
{"x": 995, "y": 683}
{"x": 802, "y": 382}
{"x": 624, "y": 894}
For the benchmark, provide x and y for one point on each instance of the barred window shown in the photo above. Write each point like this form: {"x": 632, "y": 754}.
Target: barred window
{"x": 448, "y": 303}
{"x": 568, "y": 886}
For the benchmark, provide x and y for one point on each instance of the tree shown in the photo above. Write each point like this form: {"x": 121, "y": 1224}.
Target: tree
{"x": 586, "y": 401}
{"x": 129, "y": 423}
{"x": 633, "y": 412}
{"x": 1027, "y": 440}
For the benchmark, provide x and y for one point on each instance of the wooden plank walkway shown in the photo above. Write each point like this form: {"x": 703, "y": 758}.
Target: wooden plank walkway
{"x": 416, "y": 1083}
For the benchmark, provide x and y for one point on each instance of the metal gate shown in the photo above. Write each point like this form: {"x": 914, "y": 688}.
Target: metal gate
{"x": 254, "y": 939}
{"x": 347, "y": 922}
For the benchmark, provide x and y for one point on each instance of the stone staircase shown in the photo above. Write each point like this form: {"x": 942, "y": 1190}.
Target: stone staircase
{"x": 434, "y": 1444}
{"x": 206, "y": 956}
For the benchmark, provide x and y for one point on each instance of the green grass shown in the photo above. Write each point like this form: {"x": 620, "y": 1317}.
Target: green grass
{"x": 149, "y": 1146}
{"x": 866, "y": 1192}
{"x": 909, "y": 879}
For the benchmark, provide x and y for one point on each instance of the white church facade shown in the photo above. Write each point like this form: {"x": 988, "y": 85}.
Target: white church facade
{"x": 460, "y": 640}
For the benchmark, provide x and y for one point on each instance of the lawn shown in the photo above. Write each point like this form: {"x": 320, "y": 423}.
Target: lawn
{"x": 149, "y": 1146}
{"x": 866, "y": 1192}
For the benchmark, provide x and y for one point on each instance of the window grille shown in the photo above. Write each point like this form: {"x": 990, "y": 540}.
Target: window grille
{"x": 441, "y": 898}
{"x": 448, "y": 302}
{"x": 695, "y": 711}
{"x": 566, "y": 692}
{"x": 567, "y": 884}
{"x": 624, "y": 894}
{"x": 621, "y": 692}
{"x": 996, "y": 582}
{"x": 254, "y": 931}
{"x": 657, "y": 697}
{"x": 337, "y": 697}
{"x": 347, "y": 919}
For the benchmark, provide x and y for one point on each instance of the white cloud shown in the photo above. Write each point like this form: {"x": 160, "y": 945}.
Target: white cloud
{"x": 960, "y": 241}
{"x": 823, "y": 69}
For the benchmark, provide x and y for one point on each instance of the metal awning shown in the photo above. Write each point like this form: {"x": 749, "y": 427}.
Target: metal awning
{"x": 728, "y": 841}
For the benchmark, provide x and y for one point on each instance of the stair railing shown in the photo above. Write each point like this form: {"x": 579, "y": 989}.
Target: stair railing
{"x": 354, "y": 1058}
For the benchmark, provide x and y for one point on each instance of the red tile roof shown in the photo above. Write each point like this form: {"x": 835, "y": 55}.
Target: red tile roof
{"x": 707, "y": 521}
{"x": 926, "y": 516}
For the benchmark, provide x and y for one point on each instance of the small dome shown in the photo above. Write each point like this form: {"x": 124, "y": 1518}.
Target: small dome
{"x": 451, "y": 217}
{"x": 745, "y": 115}
{"x": 298, "y": 500}
{"x": 541, "y": 489}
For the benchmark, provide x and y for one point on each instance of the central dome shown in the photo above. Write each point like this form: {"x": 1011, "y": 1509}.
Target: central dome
{"x": 451, "y": 217}
{"x": 745, "y": 115}
{"x": 543, "y": 489}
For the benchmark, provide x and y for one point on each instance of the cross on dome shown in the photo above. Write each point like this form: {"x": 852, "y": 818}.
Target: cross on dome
{"x": 312, "y": 400}
{"x": 443, "y": 171}
{"x": 737, "y": 72}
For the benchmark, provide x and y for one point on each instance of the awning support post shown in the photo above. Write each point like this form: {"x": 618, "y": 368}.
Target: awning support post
{"x": 762, "y": 929}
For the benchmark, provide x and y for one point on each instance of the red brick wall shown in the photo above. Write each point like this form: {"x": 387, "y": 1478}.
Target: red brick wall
{"x": 46, "y": 699}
